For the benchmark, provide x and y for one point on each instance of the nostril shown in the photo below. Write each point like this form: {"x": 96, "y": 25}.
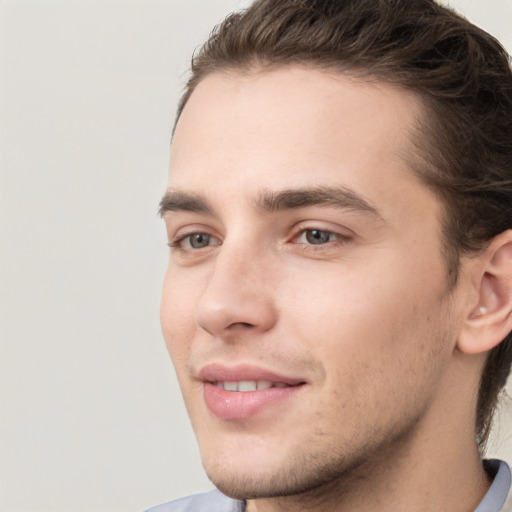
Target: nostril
{"x": 243, "y": 325}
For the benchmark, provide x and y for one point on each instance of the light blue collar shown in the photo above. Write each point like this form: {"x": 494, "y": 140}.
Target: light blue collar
{"x": 497, "y": 494}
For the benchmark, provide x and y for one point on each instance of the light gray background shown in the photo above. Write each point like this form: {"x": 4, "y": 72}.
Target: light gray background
{"x": 91, "y": 417}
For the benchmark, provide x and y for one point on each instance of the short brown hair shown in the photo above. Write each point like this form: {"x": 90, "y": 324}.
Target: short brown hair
{"x": 461, "y": 74}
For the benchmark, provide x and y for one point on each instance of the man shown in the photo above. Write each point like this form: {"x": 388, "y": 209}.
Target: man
{"x": 338, "y": 302}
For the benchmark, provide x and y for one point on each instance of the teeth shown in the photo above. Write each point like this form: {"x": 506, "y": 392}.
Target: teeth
{"x": 247, "y": 385}
{"x": 250, "y": 385}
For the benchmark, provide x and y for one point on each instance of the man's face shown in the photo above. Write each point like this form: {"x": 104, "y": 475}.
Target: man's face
{"x": 306, "y": 262}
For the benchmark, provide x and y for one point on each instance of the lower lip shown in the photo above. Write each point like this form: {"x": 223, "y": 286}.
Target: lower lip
{"x": 240, "y": 405}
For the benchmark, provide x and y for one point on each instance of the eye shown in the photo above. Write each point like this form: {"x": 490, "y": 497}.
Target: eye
{"x": 195, "y": 241}
{"x": 317, "y": 237}
{"x": 198, "y": 240}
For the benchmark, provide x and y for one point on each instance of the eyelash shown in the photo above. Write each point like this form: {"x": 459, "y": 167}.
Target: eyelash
{"x": 177, "y": 242}
{"x": 338, "y": 240}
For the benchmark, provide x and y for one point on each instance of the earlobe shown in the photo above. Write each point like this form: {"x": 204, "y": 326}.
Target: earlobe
{"x": 490, "y": 319}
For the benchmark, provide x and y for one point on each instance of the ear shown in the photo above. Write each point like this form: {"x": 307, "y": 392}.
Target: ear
{"x": 489, "y": 320}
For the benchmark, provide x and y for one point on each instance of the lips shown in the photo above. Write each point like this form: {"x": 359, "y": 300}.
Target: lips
{"x": 240, "y": 392}
{"x": 245, "y": 386}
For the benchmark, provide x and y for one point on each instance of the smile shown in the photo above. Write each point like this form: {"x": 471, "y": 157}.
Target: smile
{"x": 250, "y": 385}
{"x": 243, "y": 391}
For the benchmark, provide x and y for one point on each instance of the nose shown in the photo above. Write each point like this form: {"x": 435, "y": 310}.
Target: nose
{"x": 239, "y": 294}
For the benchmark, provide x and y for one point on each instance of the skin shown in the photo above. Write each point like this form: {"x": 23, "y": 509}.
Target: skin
{"x": 366, "y": 318}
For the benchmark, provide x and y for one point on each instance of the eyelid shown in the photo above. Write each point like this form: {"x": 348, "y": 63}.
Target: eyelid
{"x": 342, "y": 237}
{"x": 184, "y": 232}
{"x": 337, "y": 236}
{"x": 176, "y": 231}
{"x": 177, "y": 242}
{"x": 327, "y": 227}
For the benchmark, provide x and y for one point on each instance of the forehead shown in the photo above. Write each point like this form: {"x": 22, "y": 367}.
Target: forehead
{"x": 292, "y": 127}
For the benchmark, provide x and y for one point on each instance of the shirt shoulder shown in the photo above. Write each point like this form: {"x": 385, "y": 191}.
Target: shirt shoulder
{"x": 498, "y": 497}
{"x": 508, "y": 503}
{"x": 213, "y": 501}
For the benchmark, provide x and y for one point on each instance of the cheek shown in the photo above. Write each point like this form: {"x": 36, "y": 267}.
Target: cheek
{"x": 373, "y": 324}
{"x": 380, "y": 353}
{"x": 176, "y": 311}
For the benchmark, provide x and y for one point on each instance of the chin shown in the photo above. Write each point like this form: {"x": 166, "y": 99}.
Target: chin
{"x": 295, "y": 476}
{"x": 240, "y": 477}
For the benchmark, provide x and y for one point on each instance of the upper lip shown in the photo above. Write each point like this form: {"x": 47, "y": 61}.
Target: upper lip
{"x": 243, "y": 372}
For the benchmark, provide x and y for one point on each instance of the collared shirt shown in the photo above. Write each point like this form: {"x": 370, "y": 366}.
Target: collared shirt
{"x": 499, "y": 496}
{"x": 497, "y": 499}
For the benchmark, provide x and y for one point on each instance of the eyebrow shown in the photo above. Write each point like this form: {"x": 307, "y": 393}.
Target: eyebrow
{"x": 177, "y": 200}
{"x": 333, "y": 197}
{"x": 269, "y": 201}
